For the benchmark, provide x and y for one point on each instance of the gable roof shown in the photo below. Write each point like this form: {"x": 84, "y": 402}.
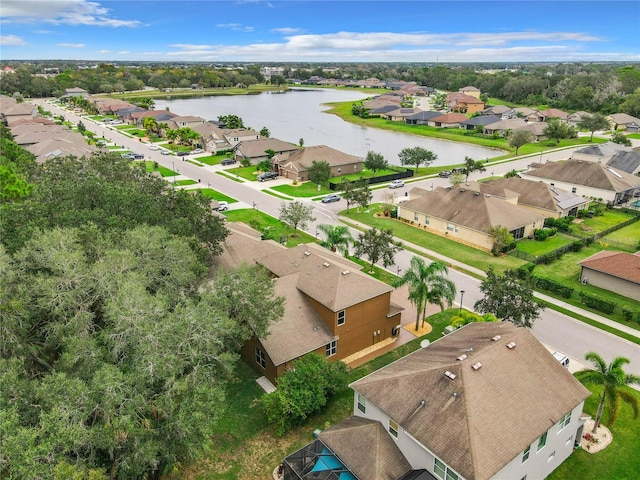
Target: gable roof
{"x": 537, "y": 128}
{"x": 625, "y": 161}
{"x": 508, "y": 124}
{"x": 590, "y": 174}
{"x": 500, "y": 401}
{"x": 498, "y": 109}
{"x": 380, "y": 460}
{"x": 606, "y": 149}
{"x": 617, "y": 264}
{"x": 303, "y": 158}
{"x": 450, "y": 118}
{"x": 257, "y": 148}
{"x": 624, "y": 118}
{"x": 553, "y": 113}
{"x": 481, "y": 120}
{"x": 428, "y": 115}
{"x": 535, "y": 194}
{"x": 469, "y": 89}
{"x": 464, "y": 205}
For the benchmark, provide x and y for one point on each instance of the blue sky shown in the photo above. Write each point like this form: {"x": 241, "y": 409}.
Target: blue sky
{"x": 324, "y": 31}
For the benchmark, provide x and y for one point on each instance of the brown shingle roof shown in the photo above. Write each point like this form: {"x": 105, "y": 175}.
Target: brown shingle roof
{"x": 482, "y": 419}
{"x": 534, "y": 194}
{"x": 462, "y": 206}
{"x": 380, "y": 460}
{"x": 303, "y": 158}
{"x": 450, "y": 118}
{"x": 589, "y": 174}
{"x": 257, "y": 148}
{"x": 618, "y": 264}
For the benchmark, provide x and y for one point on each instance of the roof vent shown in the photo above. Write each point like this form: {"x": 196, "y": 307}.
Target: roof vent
{"x": 307, "y": 254}
{"x": 487, "y": 195}
{"x": 450, "y": 375}
{"x": 326, "y": 264}
{"x": 462, "y": 357}
{"x": 511, "y": 345}
{"x": 476, "y": 366}
{"x": 462, "y": 189}
{"x": 496, "y": 338}
{"x": 477, "y": 194}
{"x": 346, "y": 272}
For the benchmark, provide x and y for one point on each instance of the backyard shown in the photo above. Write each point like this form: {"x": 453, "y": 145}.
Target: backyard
{"x": 269, "y": 226}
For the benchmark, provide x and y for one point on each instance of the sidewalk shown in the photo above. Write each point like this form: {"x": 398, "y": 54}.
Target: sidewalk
{"x": 455, "y": 263}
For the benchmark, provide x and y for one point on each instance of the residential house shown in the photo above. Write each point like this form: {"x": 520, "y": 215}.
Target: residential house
{"x": 573, "y": 119}
{"x": 503, "y": 127}
{"x": 295, "y": 165}
{"x": 384, "y": 109}
{"x": 537, "y": 128}
{"x": 459, "y": 102}
{"x": 255, "y": 151}
{"x": 617, "y": 272}
{"x": 108, "y": 106}
{"x": 539, "y": 197}
{"x": 137, "y": 117}
{"x": 624, "y": 121}
{"x": 234, "y": 136}
{"x": 211, "y": 137}
{"x": 180, "y": 121}
{"x": 331, "y": 307}
{"x": 601, "y": 152}
{"x": 399, "y": 114}
{"x": 626, "y": 162}
{"x": 25, "y": 134}
{"x": 382, "y": 100}
{"x": 480, "y": 121}
{"x": 421, "y": 118}
{"x": 526, "y": 113}
{"x": 69, "y": 143}
{"x": 544, "y": 115}
{"x": 448, "y": 120}
{"x": 587, "y": 178}
{"x": 471, "y": 91}
{"x": 501, "y": 111}
{"x": 485, "y": 402}
{"x": 466, "y": 215}
{"x": 12, "y": 111}
{"x": 75, "y": 92}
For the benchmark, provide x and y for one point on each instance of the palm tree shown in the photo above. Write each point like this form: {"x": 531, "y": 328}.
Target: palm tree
{"x": 337, "y": 236}
{"x": 612, "y": 377}
{"x": 427, "y": 284}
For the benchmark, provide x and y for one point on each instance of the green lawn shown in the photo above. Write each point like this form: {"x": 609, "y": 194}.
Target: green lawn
{"x": 302, "y": 190}
{"x": 269, "y": 226}
{"x": 182, "y": 183}
{"x": 352, "y": 177}
{"x": 618, "y": 461}
{"x": 634, "y": 135}
{"x": 165, "y": 172}
{"x": 213, "y": 159}
{"x": 534, "y": 247}
{"x": 214, "y": 195}
{"x": 468, "y": 255}
{"x": 589, "y": 226}
{"x": 248, "y": 173}
{"x": 231, "y": 177}
{"x": 629, "y": 237}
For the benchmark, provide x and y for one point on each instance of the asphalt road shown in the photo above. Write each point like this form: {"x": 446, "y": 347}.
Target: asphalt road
{"x": 558, "y": 331}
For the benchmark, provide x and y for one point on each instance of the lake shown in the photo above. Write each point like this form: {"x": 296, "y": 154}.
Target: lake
{"x": 298, "y": 113}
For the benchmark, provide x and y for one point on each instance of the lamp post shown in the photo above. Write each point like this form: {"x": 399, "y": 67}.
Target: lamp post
{"x": 399, "y": 270}
{"x": 173, "y": 167}
{"x": 461, "y": 297}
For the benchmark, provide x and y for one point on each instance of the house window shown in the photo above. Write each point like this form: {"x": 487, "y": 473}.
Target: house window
{"x": 393, "y": 428}
{"x": 332, "y": 348}
{"x": 426, "y": 220}
{"x": 450, "y": 227}
{"x": 442, "y": 471}
{"x": 564, "y": 422}
{"x": 341, "y": 317}
{"x": 260, "y": 358}
{"x": 355, "y": 168}
{"x": 569, "y": 440}
{"x": 574, "y": 190}
{"x": 525, "y": 454}
{"x": 524, "y": 478}
{"x": 542, "y": 441}
{"x": 415, "y": 216}
{"x": 552, "y": 456}
{"x": 362, "y": 404}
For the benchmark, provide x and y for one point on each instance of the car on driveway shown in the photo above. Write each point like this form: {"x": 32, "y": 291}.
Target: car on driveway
{"x": 228, "y": 161}
{"x": 153, "y": 146}
{"x": 267, "y": 176}
{"x": 165, "y": 152}
{"x": 396, "y": 184}
{"x": 182, "y": 154}
{"x": 222, "y": 206}
{"x": 332, "y": 197}
{"x": 197, "y": 150}
{"x": 137, "y": 156}
{"x": 444, "y": 174}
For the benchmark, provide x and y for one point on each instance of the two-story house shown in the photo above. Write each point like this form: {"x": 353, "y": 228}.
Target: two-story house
{"x": 486, "y": 402}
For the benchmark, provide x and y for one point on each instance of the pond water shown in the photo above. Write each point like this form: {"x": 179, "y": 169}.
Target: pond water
{"x": 298, "y": 113}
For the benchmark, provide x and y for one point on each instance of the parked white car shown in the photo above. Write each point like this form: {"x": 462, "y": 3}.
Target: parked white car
{"x": 396, "y": 184}
{"x": 153, "y": 146}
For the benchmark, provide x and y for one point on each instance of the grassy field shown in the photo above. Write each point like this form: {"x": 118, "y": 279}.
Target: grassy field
{"x": 589, "y": 226}
{"x": 188, "y": 92}
{"x": 269, "y": 226}
{"x": 214, "y": 195}
{"x": 164, "y": 171}
{"x": 418, "y": 236}
{"x": 182, "y": 183}
{"x": 534, "y": 247}
{"x": 628, "y": 236}
{"x": 302, "y": 190}
{"x": 248, "y": 173}
{"x": 213, "y": 159}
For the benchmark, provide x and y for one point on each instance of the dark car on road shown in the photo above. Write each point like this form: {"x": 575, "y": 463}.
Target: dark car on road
{"x": 444, "y": 174}
{"x": 182, "y": 154}
{"x": 333, "y": 197}
{"x": 228, "y": 161}
{"x": 267, "y": 176}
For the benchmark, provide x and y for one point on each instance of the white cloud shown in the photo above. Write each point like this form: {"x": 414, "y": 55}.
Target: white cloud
{"x": 71, "y": 45}
{"x": 61, "y": 12}
{"x": 286, "y": 30}
{"x": 238, "y": 27}
{"x": 11, "y": 41}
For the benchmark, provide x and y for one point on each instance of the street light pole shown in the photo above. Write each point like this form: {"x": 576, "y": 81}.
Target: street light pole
{"x": 173, "y": 167}
{"x": 461, "y": 297}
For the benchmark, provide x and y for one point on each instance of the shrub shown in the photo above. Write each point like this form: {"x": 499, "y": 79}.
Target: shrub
{"x": 540, "y": 234}
{"x": 628, "y": 314}
{"x": 303, "y": 391}
{"x": 553, "y": 286}
{"x": 597, "y": 303}
{"x": 577, "y": 246}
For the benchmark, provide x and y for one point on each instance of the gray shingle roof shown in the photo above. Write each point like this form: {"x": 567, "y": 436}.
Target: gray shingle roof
{"x": 482, "y": 419}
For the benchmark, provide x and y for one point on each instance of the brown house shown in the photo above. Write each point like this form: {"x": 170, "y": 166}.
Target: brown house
{"x": 295, "y": 165}
{"x": 331, "y": 308}
{"x": 256, "y": 150}
{"x": 617, "y": 272}
{"x": 449, "y": 120}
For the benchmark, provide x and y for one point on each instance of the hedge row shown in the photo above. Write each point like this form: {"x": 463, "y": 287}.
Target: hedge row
{"x": 597, "y": 303}
{"x": 553, "y": 286}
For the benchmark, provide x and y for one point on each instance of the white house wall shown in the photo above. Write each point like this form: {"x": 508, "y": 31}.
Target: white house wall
{"x": 587, "y": 192}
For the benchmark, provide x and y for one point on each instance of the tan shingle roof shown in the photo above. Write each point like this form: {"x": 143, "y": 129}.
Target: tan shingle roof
{"x": 589, "y": 174}
{"x": 482, "y": 419}
{"x": 242, "y": 246}
{"x": 380, "y": 460}
{"x": 257, "y": 148}
{"x": 303, "y": 158}
{"x": 618, "y": 264}
{"x": 534, "y": 194}
{"x": 300, "y": 330}
{"x": 450, "y": 118}
{"x": 462, "y": 206}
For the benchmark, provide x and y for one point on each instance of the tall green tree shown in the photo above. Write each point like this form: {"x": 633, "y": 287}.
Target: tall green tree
{"x": 612, "y": 378}
{"x": 337, "y": 236}
{"x": 594, "y": 122}
{"x": 264, "y": 132}
{"x": 416, "y": 156}
{"x": 231, "y": 121}
{"x": 428, "y": 283}
{"x": 518, "y": 138}
{"x": 471, "y": 165}
{"x": 621, "y": 139}
{"x": 319, "y": 172}
{"x": 509, "y": 297}
{"x": 375, "y": 161}
{"x": 356, "y": 192}
{"x": 377, "y": 245}
{"x": 501, "y": 238}
{"x": 557, "y": 130}
{"x": 296, "y": 214}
